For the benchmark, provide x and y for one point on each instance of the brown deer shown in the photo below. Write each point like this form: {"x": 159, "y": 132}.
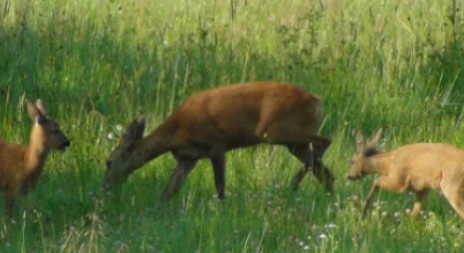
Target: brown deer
{"x": 21, "y": 166}
{"x": 415, "y": 167}
{"x": 211, "y": 122}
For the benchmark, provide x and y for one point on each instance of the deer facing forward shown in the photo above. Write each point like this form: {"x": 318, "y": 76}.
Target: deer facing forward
{"x": 21, "y": 166}
{"x": 416, "y": 167}
{"x": 211, "y": 122}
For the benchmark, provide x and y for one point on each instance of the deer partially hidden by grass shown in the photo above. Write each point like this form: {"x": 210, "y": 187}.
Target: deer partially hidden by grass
{"x": 21, "y": 166}
{"x": 211, "y": 122}
{"x": 416, "y": 167}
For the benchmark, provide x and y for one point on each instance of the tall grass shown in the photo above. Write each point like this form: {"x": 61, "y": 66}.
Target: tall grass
{"x": 100, "y": 64}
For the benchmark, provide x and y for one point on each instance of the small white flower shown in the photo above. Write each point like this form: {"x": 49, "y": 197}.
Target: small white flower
{"x": 322, "y": 236}
{"x": 110, "y": 136}
{"x": 119, "y": 127}
{"x": 306, "y": 247}
{"x": 330, "y": 225}
{"x": 384, "y": 213}
{"x": 431, "y": 225}
{"x": 397, "y": 214}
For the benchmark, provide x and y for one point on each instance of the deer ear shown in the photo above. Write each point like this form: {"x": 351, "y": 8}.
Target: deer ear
{"x": 360, "y": 140}
{"x": 35, "y": 113}
{"x": 32, "y": 111}
{"x": 140, "y": 129}
{"x": 39, "y": 104}
{"x": 375, "y": 139}
{"x": 134, "y": 131}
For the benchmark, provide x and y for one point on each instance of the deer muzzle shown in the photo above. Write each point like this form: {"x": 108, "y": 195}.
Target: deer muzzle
{"x": 64, "y": 145}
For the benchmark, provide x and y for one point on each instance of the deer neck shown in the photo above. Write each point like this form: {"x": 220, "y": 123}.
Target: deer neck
{"x": 378, "y": 163}
{"x": 36, "y": 153}
{"x": 153, "y": 145}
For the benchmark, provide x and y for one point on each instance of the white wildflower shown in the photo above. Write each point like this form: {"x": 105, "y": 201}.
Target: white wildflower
{"x": 110, "y": 136}
{"x": 119, "y": 128}
{"x": 323, "y": 236}
{"x": 330, "y": 225}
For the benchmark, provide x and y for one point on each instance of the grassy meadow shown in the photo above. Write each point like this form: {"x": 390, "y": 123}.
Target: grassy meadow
{"x": 98, "y": 65}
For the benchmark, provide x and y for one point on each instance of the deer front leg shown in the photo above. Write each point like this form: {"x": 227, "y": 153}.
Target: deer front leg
{"x": 374, "y": 188}
{"x": 420, "y": 199}
{"x": 218, "y": 163}
{"x": 390, "y": 183}
{"x": 183, "y": 168}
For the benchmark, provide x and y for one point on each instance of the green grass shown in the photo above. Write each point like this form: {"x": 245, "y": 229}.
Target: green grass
{"x": 100, "y": 64}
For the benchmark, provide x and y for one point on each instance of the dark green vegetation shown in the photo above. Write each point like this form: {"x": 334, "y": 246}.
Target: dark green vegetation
{"x": 100, "y": 64}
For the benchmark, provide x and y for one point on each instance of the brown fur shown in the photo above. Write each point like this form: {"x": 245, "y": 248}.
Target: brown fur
{"x": 21, "y": 166}
{"x": 415, "y": 167}
{"x": 211, "y": 122}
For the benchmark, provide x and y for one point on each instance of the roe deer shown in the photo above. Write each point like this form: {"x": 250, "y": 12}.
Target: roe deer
{"x": 414, "y": 167}
{"x": 21, "y": 166}
{"x": 211, "y": 122}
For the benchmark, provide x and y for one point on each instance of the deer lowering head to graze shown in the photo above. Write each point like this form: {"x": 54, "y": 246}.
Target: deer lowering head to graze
{"x": 21, "y": 166}
{"x": 415, "y": 167}
{"x": 211, "y": 122}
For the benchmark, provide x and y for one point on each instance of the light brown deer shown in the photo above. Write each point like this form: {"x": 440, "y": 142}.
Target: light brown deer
{"x": 415, "y": 167}
{"x": 21, "y": 166}
{"x": 211, "y": 122}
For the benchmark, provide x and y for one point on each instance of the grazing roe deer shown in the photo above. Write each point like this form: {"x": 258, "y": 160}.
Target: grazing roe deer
{"x": 414, "y": 167}
{"x": 21, "y": 166}
{"x": 211, "y": 122}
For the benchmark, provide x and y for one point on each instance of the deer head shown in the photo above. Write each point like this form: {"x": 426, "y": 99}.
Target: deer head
{"x": 46, "y": 130}
{"x": 120, "y": 161}
{"x": 364, "y": 150}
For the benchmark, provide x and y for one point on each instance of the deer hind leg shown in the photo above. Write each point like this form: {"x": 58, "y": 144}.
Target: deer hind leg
{"x": 183, "y": 168}
{"x": 311, "y": 156}
{"x": 306, "y": 158}
{"x": 218, "y": 163}
{"x": 10, "y": 199}
{"x": 455, "y": 196}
